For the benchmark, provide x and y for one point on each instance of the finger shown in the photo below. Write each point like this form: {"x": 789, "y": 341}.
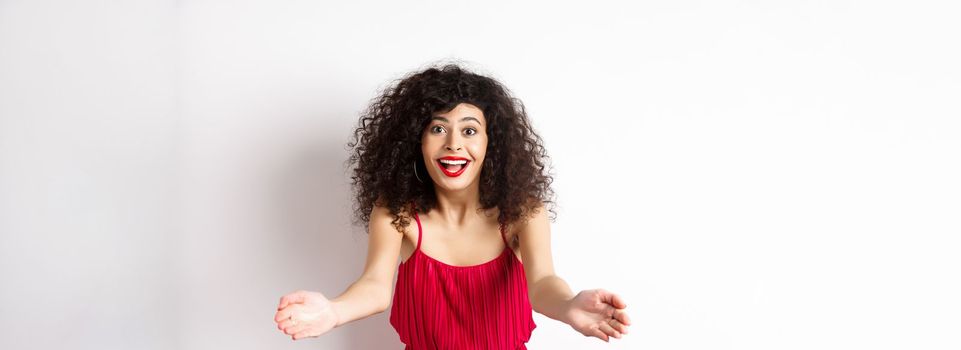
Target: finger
{"x": 282, "y": 315}
{"x": 285, "y": 324}
{"x": 302, "y": 334}
{"x": 600, "y": 334}
{"x": 618, "y": 326}
{"x": 617, "y": 301}
{"x": 612, "y": 299}
{"x": 295, "y": 297}
{"x": 610, "y": 331}
{"x": 621, "y": 316}
{"x": 286, "y": 313}
{"x": 294, "y": 329}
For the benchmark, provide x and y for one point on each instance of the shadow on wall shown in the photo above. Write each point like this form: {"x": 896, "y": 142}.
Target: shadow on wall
{"x": 313, "y": 210}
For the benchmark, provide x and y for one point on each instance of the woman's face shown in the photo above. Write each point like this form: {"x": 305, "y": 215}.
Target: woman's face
{"x": 454, "y": 146}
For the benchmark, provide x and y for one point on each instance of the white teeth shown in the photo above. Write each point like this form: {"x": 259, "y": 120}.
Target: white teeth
{"x": 453, "y": 162}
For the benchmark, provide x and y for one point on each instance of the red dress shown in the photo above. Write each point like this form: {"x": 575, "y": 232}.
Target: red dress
{"x": 441, "y": 306}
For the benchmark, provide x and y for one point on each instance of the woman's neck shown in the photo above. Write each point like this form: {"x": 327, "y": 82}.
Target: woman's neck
{"x": 458, "y": 208}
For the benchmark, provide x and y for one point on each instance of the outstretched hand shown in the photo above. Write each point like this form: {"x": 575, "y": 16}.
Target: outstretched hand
{"x": 598, "y": 313}
{"x": 305, "y": 314}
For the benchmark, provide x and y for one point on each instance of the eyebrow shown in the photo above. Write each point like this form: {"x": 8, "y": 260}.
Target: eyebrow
{"x": 461, "y": 119}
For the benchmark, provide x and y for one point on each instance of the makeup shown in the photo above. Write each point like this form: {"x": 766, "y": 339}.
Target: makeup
{"x": 453, "y": 166}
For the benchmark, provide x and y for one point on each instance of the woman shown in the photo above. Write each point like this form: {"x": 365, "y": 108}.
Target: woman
{"x": 446, "y": 161}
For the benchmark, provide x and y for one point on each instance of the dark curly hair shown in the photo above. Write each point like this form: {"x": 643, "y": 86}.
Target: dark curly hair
{"x": 386, "y": 147}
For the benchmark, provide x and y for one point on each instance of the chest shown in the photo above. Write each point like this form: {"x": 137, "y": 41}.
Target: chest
{"x": 469, "y": 247}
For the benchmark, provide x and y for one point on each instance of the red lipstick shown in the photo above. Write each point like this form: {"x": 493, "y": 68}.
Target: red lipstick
{"x": 454, "y": 159}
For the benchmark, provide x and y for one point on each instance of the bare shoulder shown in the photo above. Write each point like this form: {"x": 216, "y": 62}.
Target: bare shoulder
{"x": 536, "y": 223}
{"x": 379, "y": 213}
{"x": 382, "y": 219}
{"x": 535, "y": 245}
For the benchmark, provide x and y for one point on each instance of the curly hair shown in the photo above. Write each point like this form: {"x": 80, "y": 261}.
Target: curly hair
{"x": 386, "y": 147}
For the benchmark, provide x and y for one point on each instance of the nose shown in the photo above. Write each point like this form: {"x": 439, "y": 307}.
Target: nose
{"x": 453, "y": 143}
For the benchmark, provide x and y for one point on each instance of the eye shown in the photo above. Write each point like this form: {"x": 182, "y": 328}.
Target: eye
{"x": 470, "y": 131}
{"x": 436, "y": 129}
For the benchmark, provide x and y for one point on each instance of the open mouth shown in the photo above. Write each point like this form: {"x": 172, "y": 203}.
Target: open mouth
{"x": 453, "y": 166}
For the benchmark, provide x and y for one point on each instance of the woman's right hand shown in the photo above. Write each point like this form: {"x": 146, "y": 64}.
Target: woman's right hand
{"x": 305, "y": 314}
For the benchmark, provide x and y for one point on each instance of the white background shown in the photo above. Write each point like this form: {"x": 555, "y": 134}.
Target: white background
{"x": 746, "y": 174}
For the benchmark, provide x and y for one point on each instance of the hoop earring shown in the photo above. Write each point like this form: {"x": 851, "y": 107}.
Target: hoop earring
{"x": 415, "y": 172}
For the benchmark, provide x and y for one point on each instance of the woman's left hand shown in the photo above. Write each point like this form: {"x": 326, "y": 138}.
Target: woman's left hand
{"x": 598, "y": 313}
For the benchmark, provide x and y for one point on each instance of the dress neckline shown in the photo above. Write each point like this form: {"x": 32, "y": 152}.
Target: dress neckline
{"x": 430, "y": 258}
{"x": 420, "y": 238}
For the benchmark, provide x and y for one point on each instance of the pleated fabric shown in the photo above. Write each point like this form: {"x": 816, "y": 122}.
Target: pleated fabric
{"x": 441, "y": 306}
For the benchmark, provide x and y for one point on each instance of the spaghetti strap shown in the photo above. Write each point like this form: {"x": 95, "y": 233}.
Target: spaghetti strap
{"x": 502, "y": 236}
{"x": 419, "y": 230}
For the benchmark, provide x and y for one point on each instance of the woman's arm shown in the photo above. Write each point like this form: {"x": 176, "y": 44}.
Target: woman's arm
{"x": 549, "y": 294}
{"x": 595, "y": 312}
{"x": 372, "y": 291}
{"x": 309, "y": 314}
